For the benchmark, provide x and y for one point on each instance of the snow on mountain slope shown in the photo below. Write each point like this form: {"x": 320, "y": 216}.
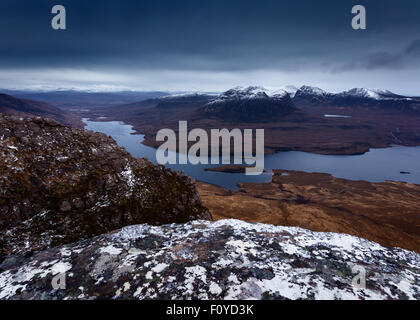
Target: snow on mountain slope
{"x": 191, "y": 94}
{"x": 249, "y": 93}
{"x": 250, "y": 104}
{"x": 361, "y": 93}
{"x": 228, "y": 259}
{"x": 370, "y": 94}
{"x": 312, "y": 91}
{"x": 240, "y": 93}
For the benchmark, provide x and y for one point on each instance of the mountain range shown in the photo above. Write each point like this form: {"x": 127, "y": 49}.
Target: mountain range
{"x": 256, "y": 103}
{"x": 360, "y": 97}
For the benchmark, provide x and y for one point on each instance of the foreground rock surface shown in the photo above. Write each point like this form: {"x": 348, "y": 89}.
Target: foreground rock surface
{"x": 60, "y": 184}
{"x": 227, "y": 259}
{"x": 387, "y": 213}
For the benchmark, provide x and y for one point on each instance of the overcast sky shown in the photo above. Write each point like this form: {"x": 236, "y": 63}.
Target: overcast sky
{"x": 188, "y": 45}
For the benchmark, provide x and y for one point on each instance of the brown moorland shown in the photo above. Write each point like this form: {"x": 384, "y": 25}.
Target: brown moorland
{"x": 387, "y": 212}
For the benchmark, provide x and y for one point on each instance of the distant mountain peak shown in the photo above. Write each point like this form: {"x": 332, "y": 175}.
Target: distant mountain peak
{"x": 375, "y": 94}
{"x": 250, "y": 93}
{"x": 355, "y": 97}
{"x": 311, "y": 90}
{"x": 253, "y": 103}
{"x": 363, "y": 93}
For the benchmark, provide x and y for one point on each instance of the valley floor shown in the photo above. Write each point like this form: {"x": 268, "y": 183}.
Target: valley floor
{"x": 387, "y": 213}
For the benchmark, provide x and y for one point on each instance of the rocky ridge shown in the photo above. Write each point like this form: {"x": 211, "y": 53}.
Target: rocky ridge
{"x": 60, "y": 184}
{"x": 228, "y": 259}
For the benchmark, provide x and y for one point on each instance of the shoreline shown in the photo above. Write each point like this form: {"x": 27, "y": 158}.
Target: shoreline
{"x": 269, "y": 150}
{"x": 234, "y": 170}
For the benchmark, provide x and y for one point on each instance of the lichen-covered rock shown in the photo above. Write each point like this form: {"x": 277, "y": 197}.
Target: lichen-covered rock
{"x": 60, "y": 184}
{"x": 228, "y": 259}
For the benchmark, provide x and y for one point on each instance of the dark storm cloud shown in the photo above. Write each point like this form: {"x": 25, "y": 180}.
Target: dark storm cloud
{"x": 203, "y": 35}
{"x": 407, "y": 58}
{"x": 414, "y": 49}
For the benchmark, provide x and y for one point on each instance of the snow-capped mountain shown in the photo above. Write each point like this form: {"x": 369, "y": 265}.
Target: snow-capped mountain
{"x": 251, "y": 104}
{"x": 374, "y": 94}
{"x": 308, "y": 90}
{"x": 240, "y": 93}
{"x": 356, "y": 97}
{"x": 249, "y": 93}
{"x": 311, "y": 94}
{"x": 291, "y": 90}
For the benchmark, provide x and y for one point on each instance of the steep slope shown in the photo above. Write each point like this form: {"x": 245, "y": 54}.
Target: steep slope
{"x": 228, "y": 259}
{"x": 59, "y": 184}
{"x": 24, "y": 107}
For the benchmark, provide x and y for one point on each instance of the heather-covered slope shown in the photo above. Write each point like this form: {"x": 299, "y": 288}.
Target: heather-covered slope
{"x": 227, "y": 259}
{"x": 24, "y": 107}
{"x": 59, "y": 184}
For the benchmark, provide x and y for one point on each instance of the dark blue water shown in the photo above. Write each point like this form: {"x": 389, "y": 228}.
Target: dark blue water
{"x": 375, "y": 166}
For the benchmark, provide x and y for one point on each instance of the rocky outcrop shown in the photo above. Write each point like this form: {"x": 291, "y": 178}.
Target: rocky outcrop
{"x": 227, "y": 259}
{"x": 60, "y": 184}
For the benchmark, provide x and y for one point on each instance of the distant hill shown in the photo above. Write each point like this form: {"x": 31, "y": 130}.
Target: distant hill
{"x": 24, "y": 107}
{"x": 70, "y": 99}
